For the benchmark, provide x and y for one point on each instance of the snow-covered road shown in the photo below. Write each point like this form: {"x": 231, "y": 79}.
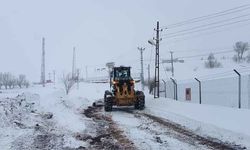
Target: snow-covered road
{"x": 148, "y": 134}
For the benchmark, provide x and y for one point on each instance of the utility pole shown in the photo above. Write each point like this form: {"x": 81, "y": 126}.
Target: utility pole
{"x": 172, "y": 63}
{"x": 43, "y": 63}
{"x": 157, "y": 62}
{"x": 142, "y": 72}
{"x": 148, "y": 73}
{"x": 73, "y": 64}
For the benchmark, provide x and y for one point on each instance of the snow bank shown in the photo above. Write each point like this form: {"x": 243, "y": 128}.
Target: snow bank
{"x": 229, "y": 124}
{"x": 228, "y": 118}
{"x": 23, "y": 117}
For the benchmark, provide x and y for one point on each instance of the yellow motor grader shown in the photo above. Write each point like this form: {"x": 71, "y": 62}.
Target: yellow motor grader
{"x": 122, "y": 90}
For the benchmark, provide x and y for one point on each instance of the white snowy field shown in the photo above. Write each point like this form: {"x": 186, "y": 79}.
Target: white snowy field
{"x": 18, "y": 125}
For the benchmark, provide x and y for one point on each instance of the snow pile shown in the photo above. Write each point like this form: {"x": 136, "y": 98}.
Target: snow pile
{"x": 18, "y": 117}
{"x": 47, "y": 120}
{"x": 15, "y": 111}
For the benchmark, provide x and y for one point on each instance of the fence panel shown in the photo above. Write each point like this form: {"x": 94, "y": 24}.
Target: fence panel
{"x": 221, "y": 91}
{"x": 170, "y": 88}
{"x": 194, "y": 86}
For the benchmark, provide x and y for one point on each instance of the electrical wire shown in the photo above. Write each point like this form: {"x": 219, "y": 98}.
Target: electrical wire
{"x": 205, "y": 25}
{"x": 210, "y": 16}
{"x": 222, "y": 52}
{"x": 209, "y": 28}
{"x": 201, "y": 49}
{"x": 190, "y": 37}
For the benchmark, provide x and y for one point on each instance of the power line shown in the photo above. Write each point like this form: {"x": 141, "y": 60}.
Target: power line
{"x": 209, "y": 28}
{"x": 202, "y": 26}
{"x": 210, "y": 16}
{"x": 222, "y": 52}
{"x": 195, "y": 50}
{"x": 190, "y": 37}
{"x": 204, "y": 54}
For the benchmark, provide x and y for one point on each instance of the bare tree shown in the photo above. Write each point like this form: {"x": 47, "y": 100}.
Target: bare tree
{"x": 248, "y": 58}
{"x": 68, "y": 82}
{"x": 212, "y": 62}
{"x": 6, "y": 79}
{"x": 26, "y": 83}
{"x": 21, "y": 79}
{"x": 12, "y": 82}
{"x": 240, "y": 48}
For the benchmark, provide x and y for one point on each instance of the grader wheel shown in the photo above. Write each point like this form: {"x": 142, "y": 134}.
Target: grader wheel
{"x": 108, "y": 103}
{"x": 140, "y": 102}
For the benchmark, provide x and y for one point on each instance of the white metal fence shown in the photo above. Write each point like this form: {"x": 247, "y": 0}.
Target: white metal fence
{"x": 220, "y": 91}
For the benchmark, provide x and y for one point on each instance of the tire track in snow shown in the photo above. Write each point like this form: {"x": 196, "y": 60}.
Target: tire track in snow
{"x": 108, "y": 135}
{"x": 148, "y": 134}
{"x": 183, "y": 134}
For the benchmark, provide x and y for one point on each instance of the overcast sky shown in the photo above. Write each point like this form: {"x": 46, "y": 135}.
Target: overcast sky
{"x": 102, "y": 31}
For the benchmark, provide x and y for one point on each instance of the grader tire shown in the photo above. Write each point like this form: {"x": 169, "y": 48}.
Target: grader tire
{"x": 137, "y": 104}
{"x": 140, "y": 103}
{"x": 108, "y": 104}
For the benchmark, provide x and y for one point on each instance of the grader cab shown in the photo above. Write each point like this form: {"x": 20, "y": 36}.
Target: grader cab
{"x": 123, "y": 91}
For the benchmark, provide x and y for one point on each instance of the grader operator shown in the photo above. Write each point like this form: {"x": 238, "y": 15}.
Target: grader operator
{"x": 122, "y": 90}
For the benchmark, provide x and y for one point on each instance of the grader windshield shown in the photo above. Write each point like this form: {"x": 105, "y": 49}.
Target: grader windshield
{"x": 122, "y": 73}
